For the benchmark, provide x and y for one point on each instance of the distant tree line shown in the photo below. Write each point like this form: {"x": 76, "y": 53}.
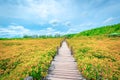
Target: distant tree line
{"x": 42, "y": 36}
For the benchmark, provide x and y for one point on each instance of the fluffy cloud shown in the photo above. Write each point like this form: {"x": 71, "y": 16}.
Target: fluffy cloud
{"x": 13, "y": 31}
{"x": 50, "y": 31}
{"x": 109, "y": 20}
{"x": 54, "y": 22}
{"x": 71, "y": 30}
{"x": 67, "y": 23}
{"x": 43, "y": 9}
{"x": 57, "y": 22}
{"x": 20, "y": 31}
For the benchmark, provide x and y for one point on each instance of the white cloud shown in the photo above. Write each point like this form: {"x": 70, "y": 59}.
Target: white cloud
{"x": 38, "y": 10}
{"x": 72, "y": 30}
{"x": 18, "y": 28}
{"x": 49, "y": 31}
{"x": 13, "y": 31}
{"x": 54, "y": 22}
{"x": 112, "y": 20}
{"x": 86, "y": 24}
{"x": 81, "y": 27}
{"x": 109, "y": 20}
{"x": 67, "y": 23}
{"x": 20, "y": 31}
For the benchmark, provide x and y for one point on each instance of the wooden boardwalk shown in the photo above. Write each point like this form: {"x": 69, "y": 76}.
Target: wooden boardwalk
{"x": 64, "y": 67}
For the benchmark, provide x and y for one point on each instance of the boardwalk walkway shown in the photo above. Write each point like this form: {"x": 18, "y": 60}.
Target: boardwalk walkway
{"x": 64, "y": 67}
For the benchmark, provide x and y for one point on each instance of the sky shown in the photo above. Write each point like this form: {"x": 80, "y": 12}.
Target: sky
{"x": 50, "y": 17}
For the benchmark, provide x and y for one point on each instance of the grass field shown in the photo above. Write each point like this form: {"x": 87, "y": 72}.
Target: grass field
{"x": 20, "y": 58}
{"x": 97, "y": 57}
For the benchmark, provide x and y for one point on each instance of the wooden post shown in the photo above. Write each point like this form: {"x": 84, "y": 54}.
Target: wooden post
{"x": 57, "y": 50}
{"x": 61, "y": 43}
{"x": 71, "y": 50}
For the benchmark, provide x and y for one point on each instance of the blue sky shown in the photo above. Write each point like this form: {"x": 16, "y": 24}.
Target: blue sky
{"x": 46, "y": 17}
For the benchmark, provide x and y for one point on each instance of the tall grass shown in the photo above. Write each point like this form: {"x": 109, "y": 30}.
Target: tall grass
{"x": 97, "y": 58}
{"x": 26, "y": 57}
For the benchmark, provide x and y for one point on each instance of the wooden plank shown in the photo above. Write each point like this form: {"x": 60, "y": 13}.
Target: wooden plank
{"x": 66, "y": 77}
{"x": 67, "y": 74}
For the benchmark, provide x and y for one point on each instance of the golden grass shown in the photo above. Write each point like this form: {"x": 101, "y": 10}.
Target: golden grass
{"x": 97, "y": 57}
{"x": 17, "y": 57}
